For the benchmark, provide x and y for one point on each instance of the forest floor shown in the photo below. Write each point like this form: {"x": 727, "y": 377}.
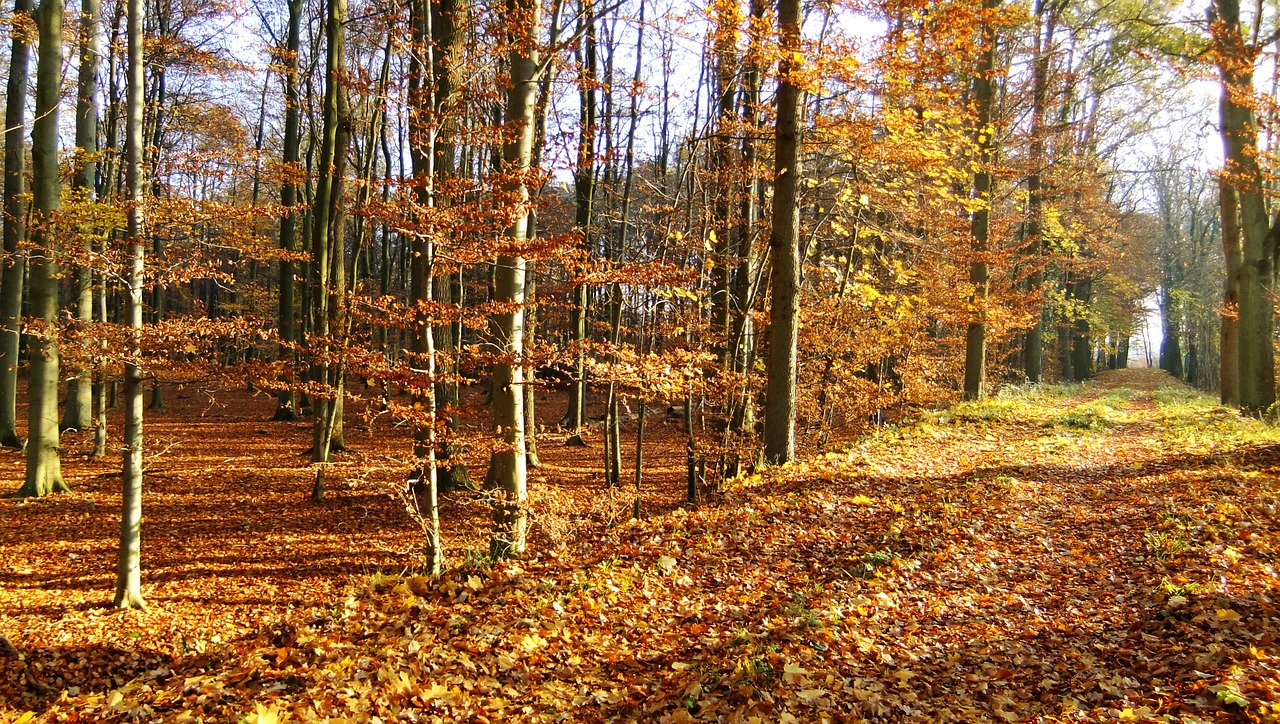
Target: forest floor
{"x": 1100, "y": 552}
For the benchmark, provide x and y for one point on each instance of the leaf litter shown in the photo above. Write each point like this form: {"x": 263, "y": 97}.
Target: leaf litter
{"x": 995, "y": 562}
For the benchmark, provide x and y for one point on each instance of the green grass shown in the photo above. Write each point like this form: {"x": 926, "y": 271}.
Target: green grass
{"x": 1010, "y": 404}
{"x": 1195, "y": 421}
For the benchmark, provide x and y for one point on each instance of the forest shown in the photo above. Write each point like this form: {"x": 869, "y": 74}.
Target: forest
{"x": 639, "y": 360}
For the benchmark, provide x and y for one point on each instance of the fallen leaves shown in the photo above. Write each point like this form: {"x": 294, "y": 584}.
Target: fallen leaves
{"x": 926, "y": 579}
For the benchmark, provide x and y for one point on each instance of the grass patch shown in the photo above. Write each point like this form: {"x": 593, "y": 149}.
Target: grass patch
{"x": 1095, "y": 415}
{"x": 1195, "y": 422}
{"x": 1010, "y": 404}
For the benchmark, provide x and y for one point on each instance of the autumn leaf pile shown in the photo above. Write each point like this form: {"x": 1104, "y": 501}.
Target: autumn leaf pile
{"x": 1100, "y": 553}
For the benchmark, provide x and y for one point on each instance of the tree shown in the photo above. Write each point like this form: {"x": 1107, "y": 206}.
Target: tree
{"x": 1255, "y": 353}
{"x": 328, "y": 241}
{"x": 584, "y": 185}
{"x": 286, "y": 400}
{"x": 44, "y": 465}
{"x": 128, "y": 572}
{"x": 79, "y": 411}
{"x": 784, "y": 240}
{"x": 11, "y": 278}
{"x": 975, "y": 359}
{"x": 508, "y": 464}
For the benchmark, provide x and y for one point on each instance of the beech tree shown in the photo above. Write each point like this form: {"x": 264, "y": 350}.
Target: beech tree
{"x": 508, "y": 464}
{"x": 14, "y": 269}
{"x": 1254, "y": 348}
{"x": 44, "y": 466}
{"x": 79, "y": 411}
{"x": 128, "y": 572}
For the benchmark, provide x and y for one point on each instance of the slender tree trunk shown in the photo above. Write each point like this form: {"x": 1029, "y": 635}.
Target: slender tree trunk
{"x": 508, "y": 464}
{"x": 44, "y": 466}
{"x": 327, "y": 197}
{"x": 79, "y": 411}
{"x": 1228, "y": 342}
{"x": 584, "y": 190}
{"x": 128, "y": 573}
{"x": 784, "y": 244}
{"x": 286, "y": 400}
{"x": 742, "y": 338}
{"x": 727, "y": 15}
{"x": 12, "y": 277}
{"x": 424, "y": 96}
{"x": 975, "y": 357}
{"x": 1033, "y": 343}
{"x": 160, "y": 78}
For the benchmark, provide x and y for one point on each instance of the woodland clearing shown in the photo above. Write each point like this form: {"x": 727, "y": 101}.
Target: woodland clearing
{"x": 1096, "y": 552}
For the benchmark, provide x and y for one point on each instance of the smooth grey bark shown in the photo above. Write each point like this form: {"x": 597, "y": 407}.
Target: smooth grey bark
{"x": 14, "y": 272}
{"x": 44, "y": 464}
{"x": 129, "y": 567}
{"x": 508, "y": 465}
{"x": 784, "y": 245}
{"x": 79, "y": 410}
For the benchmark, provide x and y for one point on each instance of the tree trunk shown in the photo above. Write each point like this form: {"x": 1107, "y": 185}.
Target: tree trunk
{"x": 286, "y": 400}
{"x": 1255, "y": 371}
{"x": 1081, "y": 342}
{"x": 12, "y": 277}
{"x": 975, "y": 352}
{"x": 325, "y": 406}
{"x": 79, "y": 411}
{"x": 128, "y": 572}
{"x": 728, "y": 19}
{"x": 44, "y": 466}
{"x": 508, "y": 464}
{"x": 1033, "y": 342}
{"x": 784, "y": 240}
{"x": 1229, "y": 359}
{"x": 448, "y": 59}
{"x": 584, "y": 183}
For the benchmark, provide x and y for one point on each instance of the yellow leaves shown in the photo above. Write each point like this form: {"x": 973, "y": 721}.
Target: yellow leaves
{"x": 1142, "y": 713}
{"x": 1226, "y": 614}
{"x": 532, "y": 643}
{"x": 29, "y": 716}
{"x": 862, "y": 500}
{"x": 264, "y": 714}
{"x": 439, "y": 691}
{"x": 903, "y": 675}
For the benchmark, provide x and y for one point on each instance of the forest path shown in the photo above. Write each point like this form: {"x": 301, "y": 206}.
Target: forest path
{"x": 1101, "y": 552}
